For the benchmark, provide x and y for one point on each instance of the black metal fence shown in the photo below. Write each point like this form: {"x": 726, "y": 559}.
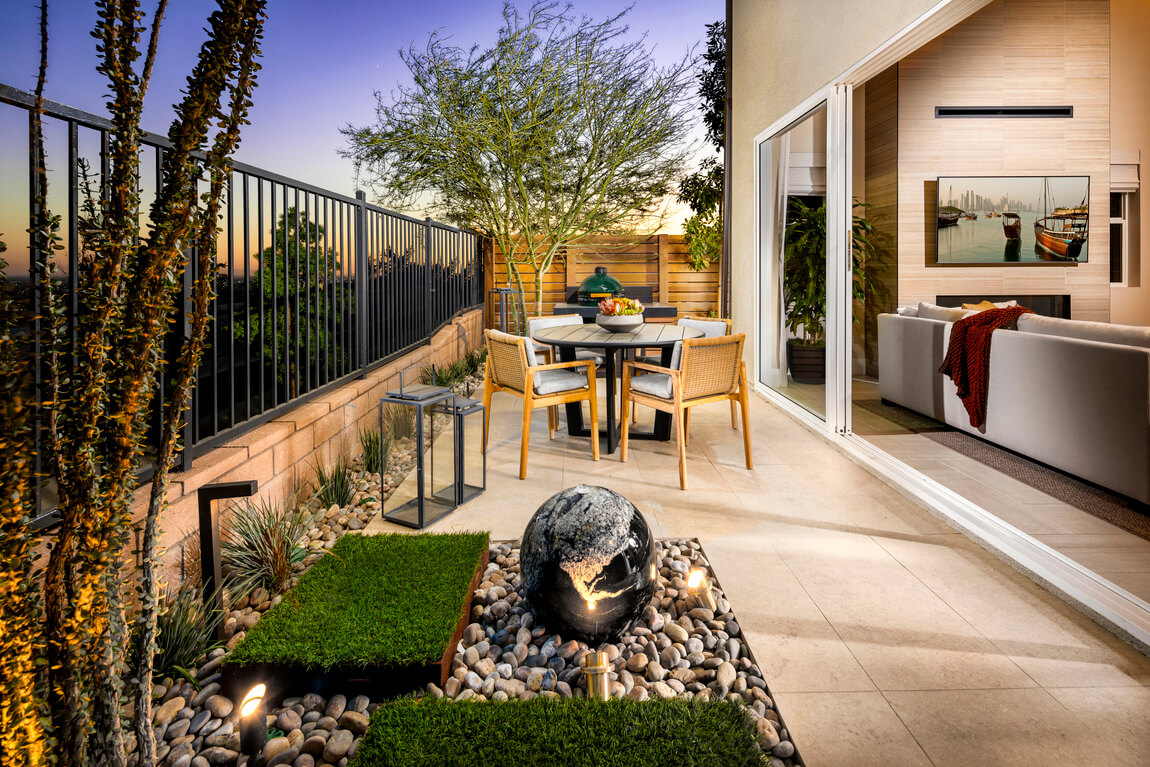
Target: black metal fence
{"x": 313, "y": 287}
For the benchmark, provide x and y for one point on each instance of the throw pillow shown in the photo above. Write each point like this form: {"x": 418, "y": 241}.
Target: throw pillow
{"x": 944, "y": 313}
{"x": 981, "y": 307}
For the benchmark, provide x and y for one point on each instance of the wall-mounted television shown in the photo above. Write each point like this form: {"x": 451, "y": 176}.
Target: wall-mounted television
{"x": 1012, "y": 219}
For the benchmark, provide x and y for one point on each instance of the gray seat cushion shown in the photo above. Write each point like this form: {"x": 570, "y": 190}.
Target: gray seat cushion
{"x": 587, "y": 354}
{"x": 655, "y": 384}
{"x": 710, "y": 329}
{"x": 556, "y": 381}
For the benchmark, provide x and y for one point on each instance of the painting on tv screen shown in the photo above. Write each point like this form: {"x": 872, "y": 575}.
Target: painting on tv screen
{"x": 1013, "y": 219}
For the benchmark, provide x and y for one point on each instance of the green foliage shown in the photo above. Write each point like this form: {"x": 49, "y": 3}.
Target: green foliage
{"x": 805, "y": 266}
{"x": 560, "y": 733}
{"x": 260, "y": 545}
{"x": 333, "y": 484}
{"x": 102, "y": 350}
{"x": 456, "y": 372}
{"x": 713, "y": 84}
{"x": 376, "y": 450}
{"x": 561, "y": 129}
{"x": 377, "y": 600}
{"x": 303, "y": 295}
{"x": 398, "y": 422}
{"x": 703, "y": 189}
{"x": 185, "y": 630}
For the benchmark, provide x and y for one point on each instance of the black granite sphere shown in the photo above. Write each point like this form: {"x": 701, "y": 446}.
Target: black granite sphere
{"x": 588, "y": 563}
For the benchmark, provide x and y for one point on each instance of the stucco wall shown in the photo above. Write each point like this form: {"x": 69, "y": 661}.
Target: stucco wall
{"x": 282, "y": 454}
{"x": 1130, "y": 130}
{"x": 781, "y": 53}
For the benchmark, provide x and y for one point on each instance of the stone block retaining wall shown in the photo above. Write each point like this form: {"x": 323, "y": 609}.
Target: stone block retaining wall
{"x": 283, "y": 453}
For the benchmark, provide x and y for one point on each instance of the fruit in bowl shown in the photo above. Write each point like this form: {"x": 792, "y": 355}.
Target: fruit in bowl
{"x": 619, "y": 315}
{"x": 620, "y": 307}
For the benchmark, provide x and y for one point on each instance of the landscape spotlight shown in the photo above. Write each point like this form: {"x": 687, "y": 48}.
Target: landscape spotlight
{"x": 700, "y": 588}
{"x": 253, "y": 721}
{"x": 596, "y": 668}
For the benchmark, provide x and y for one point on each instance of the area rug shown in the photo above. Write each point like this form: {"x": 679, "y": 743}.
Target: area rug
{"x": 1116, "y": 509}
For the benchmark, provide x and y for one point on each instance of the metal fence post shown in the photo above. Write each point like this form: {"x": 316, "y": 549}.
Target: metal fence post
{"x": 429, "y": 302}
{"x": 361, "y": 277}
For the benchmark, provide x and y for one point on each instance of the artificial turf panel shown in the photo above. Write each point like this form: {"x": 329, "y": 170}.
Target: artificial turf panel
{"x": 559, "y": 733}
{"x": 374, "y": 600}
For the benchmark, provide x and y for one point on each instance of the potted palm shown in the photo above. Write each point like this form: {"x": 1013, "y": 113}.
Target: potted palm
{"x": 805, "y": 284}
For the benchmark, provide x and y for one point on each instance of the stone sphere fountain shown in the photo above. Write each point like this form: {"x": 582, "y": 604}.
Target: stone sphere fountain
{"x": 588, "y": 563}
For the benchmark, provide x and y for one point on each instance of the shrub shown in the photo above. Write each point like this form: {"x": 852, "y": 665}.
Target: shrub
{"x": 456, "y": 372}
{"x": 376, "y": 450}
{"x": 334, "y": 485}
{"x": 186, "y": 629}
{"x": 260, "y": 545}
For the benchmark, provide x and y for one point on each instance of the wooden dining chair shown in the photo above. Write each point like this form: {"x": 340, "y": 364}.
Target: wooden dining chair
{"x": 512, "y": 368}
{"x": 712, "y": 327}
{"x": 535, "y": 324}
{"x": 704, "y": 370}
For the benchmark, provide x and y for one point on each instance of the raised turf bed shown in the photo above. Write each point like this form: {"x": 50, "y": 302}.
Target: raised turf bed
{"x": 379, "y": 615}
{"x": 560, "y": 733}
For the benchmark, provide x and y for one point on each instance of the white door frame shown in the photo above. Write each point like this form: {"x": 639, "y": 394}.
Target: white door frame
{"x": 1105, "y": 602}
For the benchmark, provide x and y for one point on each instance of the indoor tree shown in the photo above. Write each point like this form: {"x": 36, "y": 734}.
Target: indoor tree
{"x": 102, "y": 353}
{"x": 563, "y": 128}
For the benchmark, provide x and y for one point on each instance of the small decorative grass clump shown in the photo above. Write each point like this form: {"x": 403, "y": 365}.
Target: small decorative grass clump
{"x": 334, "y": 485}
{"x": 398, "y": 422}
{"x": 560, "y": 733}
{"x": 376, "y": 450}
{"x": 186, "y": 630}
{"x": 260, "y": 545}
{"x": 375, "y": 600}
{"x": 456, "y": 372}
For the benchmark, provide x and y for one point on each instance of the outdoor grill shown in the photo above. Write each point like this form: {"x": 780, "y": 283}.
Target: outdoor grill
{"x": 598, "y": 286}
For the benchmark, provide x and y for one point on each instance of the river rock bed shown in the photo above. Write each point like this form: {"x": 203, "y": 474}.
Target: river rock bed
{"x": 677, "y": 648}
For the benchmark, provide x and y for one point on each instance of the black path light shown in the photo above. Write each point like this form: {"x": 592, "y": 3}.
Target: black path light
{"x": 211, "y": 571}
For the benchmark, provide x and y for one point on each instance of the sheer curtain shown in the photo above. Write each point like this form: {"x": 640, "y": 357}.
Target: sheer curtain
{"x": 773, "y": 371}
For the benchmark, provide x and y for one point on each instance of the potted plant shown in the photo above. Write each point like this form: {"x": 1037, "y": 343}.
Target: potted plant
{"x": 619, "y": 315}
{"x": 805, "y": 284}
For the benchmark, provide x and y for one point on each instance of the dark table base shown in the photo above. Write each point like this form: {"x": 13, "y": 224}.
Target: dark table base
{"x": 610, "y": 435}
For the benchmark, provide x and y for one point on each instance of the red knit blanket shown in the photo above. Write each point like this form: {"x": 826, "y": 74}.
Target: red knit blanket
{"x": 967, "y": 359}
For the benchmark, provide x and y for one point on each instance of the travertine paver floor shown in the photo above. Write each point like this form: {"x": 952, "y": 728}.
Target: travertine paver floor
{"x": 888, "y": 637}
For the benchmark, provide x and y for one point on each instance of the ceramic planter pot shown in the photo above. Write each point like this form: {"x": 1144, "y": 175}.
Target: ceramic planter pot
{"x": 619, "y": 323}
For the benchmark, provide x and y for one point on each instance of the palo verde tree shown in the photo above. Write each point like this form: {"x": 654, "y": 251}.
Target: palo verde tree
{"x": 562, "y": 129}
{"x": 702, "y": 191}
{"x": 103, "y": 359}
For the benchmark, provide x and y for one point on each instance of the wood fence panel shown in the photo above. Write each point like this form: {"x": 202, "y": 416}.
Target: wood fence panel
{"x": 658, "y": 261}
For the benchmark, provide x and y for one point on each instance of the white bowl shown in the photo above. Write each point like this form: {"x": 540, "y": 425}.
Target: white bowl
{"x": 619, "y": 323}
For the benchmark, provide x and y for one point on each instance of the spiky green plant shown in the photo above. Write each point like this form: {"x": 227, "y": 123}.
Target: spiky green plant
{"x": 398, "y": 422}
{"x": 333, "y": 484}
{"x": 260, "y": 545}
{"x": 185, "y": 630}
{"x": 376, "y": 450}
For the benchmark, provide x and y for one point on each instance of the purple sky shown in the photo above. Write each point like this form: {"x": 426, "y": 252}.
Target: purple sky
{"x": 321, "y": 63}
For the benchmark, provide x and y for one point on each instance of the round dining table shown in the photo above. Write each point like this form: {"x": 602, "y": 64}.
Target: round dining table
{"x": 568, "y": 339}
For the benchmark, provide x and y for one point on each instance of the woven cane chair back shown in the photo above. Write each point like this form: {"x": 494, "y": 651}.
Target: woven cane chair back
{"x": 711, "y": 366}
{"x": 508, "y": 359}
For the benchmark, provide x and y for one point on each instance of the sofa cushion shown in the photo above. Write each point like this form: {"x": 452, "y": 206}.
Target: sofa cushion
{"x": 1104, "y": 332}
{"x": 944, "y": 313}
{"x": 907, "y": 311}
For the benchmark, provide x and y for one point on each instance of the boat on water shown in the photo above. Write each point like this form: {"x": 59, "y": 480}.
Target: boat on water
{"x": 948, "y": 215}
{"x": 1011, "y": 225}
{"x": 971, "y": 216}
{"x": 1062, "y": 233}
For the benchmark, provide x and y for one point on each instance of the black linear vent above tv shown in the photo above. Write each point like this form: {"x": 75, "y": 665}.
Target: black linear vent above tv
{"x": 1032, "y": 112}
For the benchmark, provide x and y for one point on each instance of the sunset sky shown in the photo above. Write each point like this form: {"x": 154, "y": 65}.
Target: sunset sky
{"x": 321, "y": 63}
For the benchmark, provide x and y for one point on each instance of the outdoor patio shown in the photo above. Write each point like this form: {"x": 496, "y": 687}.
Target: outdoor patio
{"x": 888, "y": 637}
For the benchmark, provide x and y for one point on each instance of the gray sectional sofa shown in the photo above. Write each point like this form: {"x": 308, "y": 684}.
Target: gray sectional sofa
{"x": 1074, "y": 395}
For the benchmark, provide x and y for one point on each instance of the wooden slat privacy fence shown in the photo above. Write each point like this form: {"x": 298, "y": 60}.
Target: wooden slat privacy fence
{"x": 659, "y": 261}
